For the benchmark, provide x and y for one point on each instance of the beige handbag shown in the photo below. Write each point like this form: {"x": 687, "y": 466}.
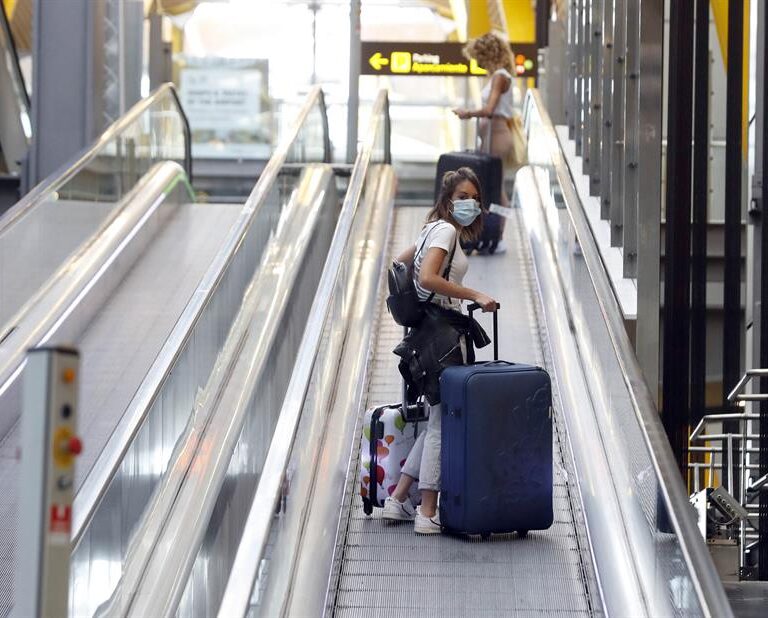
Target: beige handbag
{"x": 518, "y": 153}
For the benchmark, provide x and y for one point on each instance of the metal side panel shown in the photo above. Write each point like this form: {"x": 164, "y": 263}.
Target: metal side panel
{"x": 119, "y": 346}
{"x": 387, "y": 569}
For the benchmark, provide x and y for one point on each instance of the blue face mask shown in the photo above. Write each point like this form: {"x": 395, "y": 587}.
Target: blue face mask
{"x": 465, "y": 211}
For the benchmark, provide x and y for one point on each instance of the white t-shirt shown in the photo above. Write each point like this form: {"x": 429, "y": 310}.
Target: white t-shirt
{"x": 443, "y": 235}
{"x": 505, "y": 107}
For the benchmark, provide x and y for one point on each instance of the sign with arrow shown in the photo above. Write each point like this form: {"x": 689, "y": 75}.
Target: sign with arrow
{"x": 441, "y": 59}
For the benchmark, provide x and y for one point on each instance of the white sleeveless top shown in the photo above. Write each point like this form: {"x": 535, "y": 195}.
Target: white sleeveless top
{"x": 443, "y": 235}
{"x": 505, "y": 105}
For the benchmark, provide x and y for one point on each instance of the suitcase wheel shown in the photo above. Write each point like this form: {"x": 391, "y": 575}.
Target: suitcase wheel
{"x": 521, "y": 534}
{"x": 492, "y": 246}
{"x": 367, "y": 507}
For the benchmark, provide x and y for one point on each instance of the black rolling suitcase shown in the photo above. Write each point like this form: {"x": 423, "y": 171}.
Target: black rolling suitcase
{"x": 489, "y": 171}
{"x": 496, "y": 447}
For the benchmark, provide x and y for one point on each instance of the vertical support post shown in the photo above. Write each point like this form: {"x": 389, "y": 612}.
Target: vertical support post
{"x": 700, "y": 203}
{"x": 732, "y": 331}
{"x": 631, "y": 139}
{"x": 649, "y": 190}
{"x": 761, "y": 247}
{"x": 67, "y": 103}
{"x": 619, "y": 103}
{"x": 159, "y": 53}
{"x": 579, "y": 90}
{"x": 676, "y": 265}
{"x": 606, "y": 136}
{"x": 353, "y": 100}
{"x": 586, "y": 93}
{"x": 49, "y": 448}
{"x": 571, "y": 113}
{"x": 596, "y": 94}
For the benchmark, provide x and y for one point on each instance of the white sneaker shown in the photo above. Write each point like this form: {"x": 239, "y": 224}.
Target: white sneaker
{"x": 394, "y": 510}
{"x": 427, "y": 525}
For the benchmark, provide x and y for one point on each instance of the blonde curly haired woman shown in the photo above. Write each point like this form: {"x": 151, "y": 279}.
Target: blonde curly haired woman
{"x": 494, "y": 55}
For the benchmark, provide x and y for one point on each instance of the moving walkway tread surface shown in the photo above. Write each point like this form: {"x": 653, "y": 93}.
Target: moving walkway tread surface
{"x": 119, "y": 346}
{"x": 389, "y": 568}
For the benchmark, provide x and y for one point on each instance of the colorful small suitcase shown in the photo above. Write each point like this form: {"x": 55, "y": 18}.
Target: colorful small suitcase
{"x": 387, "y": 439}
{"x": 496, "y": 451}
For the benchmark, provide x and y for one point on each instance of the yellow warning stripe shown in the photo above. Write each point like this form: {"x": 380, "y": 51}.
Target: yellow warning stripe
{"x": 720, "y": 14}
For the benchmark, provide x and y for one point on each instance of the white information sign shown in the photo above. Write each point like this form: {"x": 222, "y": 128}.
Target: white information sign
{"x": 225, "y": 109}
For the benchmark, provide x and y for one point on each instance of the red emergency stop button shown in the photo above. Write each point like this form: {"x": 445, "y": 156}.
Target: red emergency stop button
{"x": 75, "y": 445}
{"x": 66, "y": 446}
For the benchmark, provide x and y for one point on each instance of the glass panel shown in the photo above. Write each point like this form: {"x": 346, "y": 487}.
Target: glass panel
{"x": 59, "y": 215}
{"x": 657, "y": 551}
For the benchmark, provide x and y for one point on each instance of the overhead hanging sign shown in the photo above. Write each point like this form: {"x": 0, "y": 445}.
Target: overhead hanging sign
{"x": 387, "y": 58}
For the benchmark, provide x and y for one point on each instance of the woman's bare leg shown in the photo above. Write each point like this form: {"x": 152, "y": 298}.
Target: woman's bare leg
{"x": 403, "y": 487}
{"x": 428, "y": 502}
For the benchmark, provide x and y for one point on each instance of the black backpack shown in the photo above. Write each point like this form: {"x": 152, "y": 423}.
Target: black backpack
{"x": 403, "y": 302}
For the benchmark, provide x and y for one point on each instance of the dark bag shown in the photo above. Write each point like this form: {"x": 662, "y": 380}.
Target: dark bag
{"x": 403, "y": 301}
{"x": 490, "y": 172}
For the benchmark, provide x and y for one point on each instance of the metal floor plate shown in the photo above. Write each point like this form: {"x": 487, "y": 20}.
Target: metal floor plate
{"x": 119, "y": 346}
{"x": 387, "y": 570}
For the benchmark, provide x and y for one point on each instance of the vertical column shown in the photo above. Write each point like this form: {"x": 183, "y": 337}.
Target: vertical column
{"x": 66, "y": 105}
{"x": 596, "y": 94}
{"x": 586, "y": 98}
{"x": 353, "y": 101}
{"x": 676, "y": 264}
{"x": 760, "y": 314}
{"x": 606, "y": 136}
{"x": 651, "y": 99}
{"x": 619, "y": 102}
{"x": 700, "y": 203}
{"x": 579, "y": 90}
{"x": 733, "y": 198}
{"x": 160, "y": 65}
{"x": 572, "y": 56}
{"x": 631, "y": 139}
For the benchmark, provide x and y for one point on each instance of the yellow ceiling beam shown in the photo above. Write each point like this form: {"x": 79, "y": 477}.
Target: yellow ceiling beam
{"x": 515, "y": 19}
{"x": 521, "y": 20}
{"x": 720, "y": 15}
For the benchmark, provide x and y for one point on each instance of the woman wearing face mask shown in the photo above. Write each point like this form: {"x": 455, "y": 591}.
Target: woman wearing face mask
{"x": 439, "y": 268}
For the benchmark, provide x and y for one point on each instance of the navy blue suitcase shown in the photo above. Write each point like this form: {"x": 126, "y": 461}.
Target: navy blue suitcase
{"x": 496, "y": 447}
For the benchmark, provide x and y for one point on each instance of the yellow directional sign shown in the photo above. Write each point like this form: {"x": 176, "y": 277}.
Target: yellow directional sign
{"x": 377, "y": 61}
{"x": 414, "y": 58}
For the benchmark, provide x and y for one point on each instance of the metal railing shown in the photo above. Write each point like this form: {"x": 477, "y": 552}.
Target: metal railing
{"x": 742, "y": 444}
{"x": 163, "y": 147}
{"x": 327, "y": 323}
{"x": 136, "y": 460}
{"x": 76, "y": 203}
{"x": 666, "y": 556}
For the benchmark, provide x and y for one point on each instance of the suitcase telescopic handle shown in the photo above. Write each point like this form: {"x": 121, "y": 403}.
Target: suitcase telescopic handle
{"x": 472, "y": 307}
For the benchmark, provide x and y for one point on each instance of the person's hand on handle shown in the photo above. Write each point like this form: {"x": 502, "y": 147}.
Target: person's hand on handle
{"x": 462, "y": 113}
{"x": 486, "y": 302}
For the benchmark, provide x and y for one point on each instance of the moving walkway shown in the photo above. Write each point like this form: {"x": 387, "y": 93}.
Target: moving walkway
{"x": 115, "y": 255}
{"x": 259, "y": 515}
{"x": 229, "y": 486}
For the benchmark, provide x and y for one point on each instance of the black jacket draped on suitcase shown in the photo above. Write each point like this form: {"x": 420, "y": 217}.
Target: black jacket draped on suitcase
{"x": 434, "y": 345}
